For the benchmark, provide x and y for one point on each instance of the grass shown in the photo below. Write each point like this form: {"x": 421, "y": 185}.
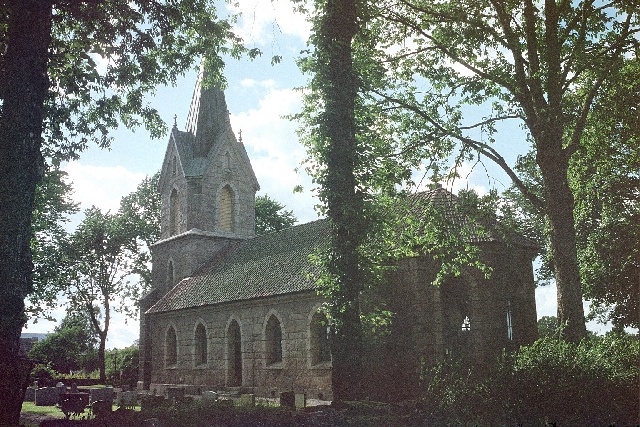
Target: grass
{"x": 51, "y": 411}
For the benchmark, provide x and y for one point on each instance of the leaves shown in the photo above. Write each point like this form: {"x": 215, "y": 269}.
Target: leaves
{"x": 271, "y": 216}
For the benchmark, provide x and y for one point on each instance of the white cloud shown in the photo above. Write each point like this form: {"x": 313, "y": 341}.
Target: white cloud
{"x": 263, "y": 21}
{"x": 101, "y": 186}
{"x": 275, "y": 151}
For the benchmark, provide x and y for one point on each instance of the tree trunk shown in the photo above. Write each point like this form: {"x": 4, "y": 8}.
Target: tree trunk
{"x": 101, "y": 358}
{"x": 559, "y": 202}
{"x": 345, "y": 208}
{"x": 24, "y": 85}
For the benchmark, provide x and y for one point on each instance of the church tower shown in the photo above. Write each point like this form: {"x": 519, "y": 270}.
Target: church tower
{"x": 207, "y": 189}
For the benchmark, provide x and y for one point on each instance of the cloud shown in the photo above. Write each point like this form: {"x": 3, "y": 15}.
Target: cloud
{"x": 274, "y": 149}
{"x": 101, "y": 186}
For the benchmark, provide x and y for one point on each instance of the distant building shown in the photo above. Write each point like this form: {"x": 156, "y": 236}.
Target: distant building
{"x": 28, "y": 340}
{"x": 231, "y": 310}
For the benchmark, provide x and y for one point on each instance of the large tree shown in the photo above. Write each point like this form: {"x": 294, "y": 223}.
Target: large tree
{"x": 541, "y": 64}
{"x": 335, "y": 149}
{"x": 51, "y": 85}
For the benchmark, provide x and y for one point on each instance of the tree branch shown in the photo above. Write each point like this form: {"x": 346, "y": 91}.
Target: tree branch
{"x": 479, "y": 146}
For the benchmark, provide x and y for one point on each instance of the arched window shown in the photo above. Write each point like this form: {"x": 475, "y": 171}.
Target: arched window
{"x": 273, "y": 338}
{"x": 319, "y": 336}
{"x": 171, "y": 347}
{"x": 234, "y": 355}
{"x": 226, "y": 209}
{"x": 173, "y": 212}
{"x": 200, "y": 345}
{"x": 170, "y": 276}
{"x": 509, "y": 322}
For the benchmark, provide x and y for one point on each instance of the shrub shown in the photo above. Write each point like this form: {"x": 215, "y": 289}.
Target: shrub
{"x": 595, "y": 382}
{"x": 44, "y": 374}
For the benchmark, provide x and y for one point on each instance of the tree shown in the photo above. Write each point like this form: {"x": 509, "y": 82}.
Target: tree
{"x": 51, "y": 85}
{"x": 65, "y": 348}
{"x": 140, "y": 219}
{"x": 271, "y": 215}
{"x": 53, "y": 206}
{"x": 99, "y": 263}
{"x": 542, "y": 64}
{"x": 604, "y": 178}
{"x": 336, "y": 148}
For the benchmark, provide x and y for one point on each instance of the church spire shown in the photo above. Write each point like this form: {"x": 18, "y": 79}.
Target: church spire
{"x": 208, "y": 116}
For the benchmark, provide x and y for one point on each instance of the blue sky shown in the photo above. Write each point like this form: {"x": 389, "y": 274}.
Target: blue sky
{"x": 258, "y": 95}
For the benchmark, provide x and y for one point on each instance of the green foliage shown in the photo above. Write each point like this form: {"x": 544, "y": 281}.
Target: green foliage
{"x": 122, "y": 366}
{"x": 271, "y": 216}
{"x": 71, "y": 347}
{"x": 139, "y": 217}
{"x": 53, "y": 206}
{"x": 106, "y": 56}
{"x": 548, "y": 327}
{"x": 44, "y": 374}
{"x": 595, "y": 382}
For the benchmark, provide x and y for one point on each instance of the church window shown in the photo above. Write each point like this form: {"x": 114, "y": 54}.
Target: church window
{"x": 174, "y": 167}
{"x": 234, "y": 355}
{"x": 226, "y": 209}
{"x": 171, "y": 347}
{"x": 173, "y": 212}
{"x": 509, "y": 322}
{"x": 466, "y": 324}
{"x": 273, "y": 338}
{"x": 319, "y": 336}
{"x": 200, "y": 345}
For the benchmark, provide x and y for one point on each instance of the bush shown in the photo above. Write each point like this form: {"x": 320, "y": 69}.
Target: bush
{"x": 44, "y": 374}
{"x": 595, "y": 382}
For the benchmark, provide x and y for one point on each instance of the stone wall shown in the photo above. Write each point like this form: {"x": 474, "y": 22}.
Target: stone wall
{"x": 294, "y": 373}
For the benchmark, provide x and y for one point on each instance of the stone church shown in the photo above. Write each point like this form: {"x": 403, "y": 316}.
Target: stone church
{"x": 229, "y": 310}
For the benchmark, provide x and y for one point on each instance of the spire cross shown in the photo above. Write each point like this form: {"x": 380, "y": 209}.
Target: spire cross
{"x": 175, "y": 120}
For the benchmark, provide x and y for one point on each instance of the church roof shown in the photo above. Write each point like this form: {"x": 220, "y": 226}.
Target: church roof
{"x": 269, "y": 265}
{"x": 476, "y": 229}
{"x": 278, "y": 263}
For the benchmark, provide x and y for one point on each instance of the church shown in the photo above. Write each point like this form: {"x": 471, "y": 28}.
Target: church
{"x": 232, "y": 311}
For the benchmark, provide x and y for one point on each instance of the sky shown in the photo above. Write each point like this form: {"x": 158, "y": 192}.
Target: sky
{"x": 258, "y": 96}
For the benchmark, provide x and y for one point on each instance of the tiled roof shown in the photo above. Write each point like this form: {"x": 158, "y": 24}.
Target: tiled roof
{"x": 478, "y": 230}
{"x": 278, "y": 263}
{"x": 269, "y": 265}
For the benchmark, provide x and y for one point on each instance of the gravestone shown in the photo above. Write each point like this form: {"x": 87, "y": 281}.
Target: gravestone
{"x": 288, "y": 400}
{"x": 30, "y": 394}
{"x": 175, "y": 392}
{"x": 47, "y": 396}
{"x": 126, "y": 399}
{"x": 300, "y": 400}
{"x": 209, "y": 396}
{"x": 105, "y": 394}
{"x": 248, "y": 400}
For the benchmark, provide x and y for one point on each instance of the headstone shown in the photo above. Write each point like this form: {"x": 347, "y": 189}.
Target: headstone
{"x": 175, "y": 392}
{"x": 126, "y": 399}
{"x": 248, "y": 400}
{"x": 140, "y": 385}
{"x": 300, "y": 400}
{"x": 287, "y": 399}
{"x": 47, "y": 396}
{"x": 105, "y": 394}
{"x": 209, "y": 396}
{"x": 30, "y": 394}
